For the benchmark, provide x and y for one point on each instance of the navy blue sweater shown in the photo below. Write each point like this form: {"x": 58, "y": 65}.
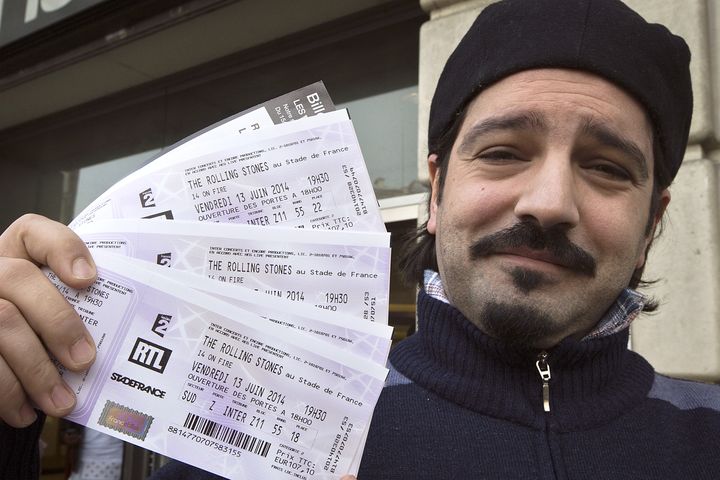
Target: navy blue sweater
{"x": 459, "y": 404}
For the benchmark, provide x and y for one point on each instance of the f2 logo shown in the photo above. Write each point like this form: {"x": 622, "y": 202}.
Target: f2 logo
{"x": 164, "y": 259}
{"x": 162, "y": 321}
{"x": 147, "y": 199}
{"x": 150, "y": 355}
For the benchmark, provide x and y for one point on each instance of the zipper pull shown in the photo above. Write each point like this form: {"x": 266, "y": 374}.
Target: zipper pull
{"x": 544, "y": 370}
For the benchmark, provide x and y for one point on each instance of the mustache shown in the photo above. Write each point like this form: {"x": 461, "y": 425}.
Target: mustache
{"x": 532, "y": 236}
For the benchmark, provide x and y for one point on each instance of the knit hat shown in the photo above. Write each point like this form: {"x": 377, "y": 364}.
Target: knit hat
{"x": 604, "y": 37}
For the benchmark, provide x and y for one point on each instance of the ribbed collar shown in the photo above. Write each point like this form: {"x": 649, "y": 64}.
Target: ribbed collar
{"x": 593, "y": 381}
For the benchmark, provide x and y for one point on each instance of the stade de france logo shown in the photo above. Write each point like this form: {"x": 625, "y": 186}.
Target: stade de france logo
{"x": 150, "y": 355}
{"x": 147, "y": 198}
{"x": 162, "y": 322}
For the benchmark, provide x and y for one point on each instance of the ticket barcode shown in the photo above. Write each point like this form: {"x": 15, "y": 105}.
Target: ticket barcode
{"x": 225, "y": 434}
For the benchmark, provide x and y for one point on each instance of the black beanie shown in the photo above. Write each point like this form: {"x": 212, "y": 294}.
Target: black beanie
{"x": 604, "y": 37}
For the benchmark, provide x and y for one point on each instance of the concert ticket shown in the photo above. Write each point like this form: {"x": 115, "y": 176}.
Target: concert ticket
{"x": 347, "y": 272}
{"x": 194, "y": 378}
{"x": 367, "y": 339}
{"x": 310, "y": 174}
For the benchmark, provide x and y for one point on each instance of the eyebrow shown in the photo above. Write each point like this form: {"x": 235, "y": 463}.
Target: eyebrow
{"x": 607, "y": 137}
{"x": 534, "y": 121}
{"x": 514, "y": 121}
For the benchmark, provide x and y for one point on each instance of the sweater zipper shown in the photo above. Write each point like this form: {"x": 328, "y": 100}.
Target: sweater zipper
{"x": 544, "y": 370}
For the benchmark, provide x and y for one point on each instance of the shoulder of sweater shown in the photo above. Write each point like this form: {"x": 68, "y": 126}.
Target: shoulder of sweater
{"x": 685, "y": 394}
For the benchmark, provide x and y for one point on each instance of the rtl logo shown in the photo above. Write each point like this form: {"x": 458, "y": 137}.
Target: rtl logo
{"x": 150, "y": 355}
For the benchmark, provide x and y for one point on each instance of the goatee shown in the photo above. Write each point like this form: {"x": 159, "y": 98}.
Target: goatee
{"x": 518, "y": 325}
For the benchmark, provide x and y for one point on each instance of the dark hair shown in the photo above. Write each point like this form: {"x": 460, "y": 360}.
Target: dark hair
{"x": 418, "y": 249}
{"x": 662, "y": 178}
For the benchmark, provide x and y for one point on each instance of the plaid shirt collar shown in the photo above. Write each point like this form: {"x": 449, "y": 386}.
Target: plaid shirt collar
{"x": 626, "y": 308}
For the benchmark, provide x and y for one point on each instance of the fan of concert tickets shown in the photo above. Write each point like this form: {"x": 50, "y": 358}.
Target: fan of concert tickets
{"x": 240, "y": 311}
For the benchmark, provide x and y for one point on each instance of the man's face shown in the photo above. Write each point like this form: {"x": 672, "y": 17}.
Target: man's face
{"x": 565, "y": 159}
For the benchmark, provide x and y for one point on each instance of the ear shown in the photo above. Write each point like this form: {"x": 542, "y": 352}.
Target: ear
{"x": 662, "y": 206}
{"x": 434, "y": 190}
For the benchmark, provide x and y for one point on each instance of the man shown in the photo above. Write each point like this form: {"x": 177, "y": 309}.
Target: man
{"x": 555, "y": 131}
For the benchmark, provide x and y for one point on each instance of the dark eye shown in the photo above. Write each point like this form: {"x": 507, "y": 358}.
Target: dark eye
{"x": 498, "y": 155}
{"x": 611, "y": 171}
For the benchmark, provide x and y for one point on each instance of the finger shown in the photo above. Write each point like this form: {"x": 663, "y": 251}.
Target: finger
{"x": 25, "y": 289}
{"x": 50, "y": 243}
{"x": 28, "y": 371}
{"x": 14, "y": 407}
{"x": 348, "y": 477}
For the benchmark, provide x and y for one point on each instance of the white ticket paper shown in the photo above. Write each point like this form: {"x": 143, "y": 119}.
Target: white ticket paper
{"x": 367, "y": 339}
{"x": 347, "y": 272}
{"x": 235, "y": 395}
{"x": 310, "y": 174}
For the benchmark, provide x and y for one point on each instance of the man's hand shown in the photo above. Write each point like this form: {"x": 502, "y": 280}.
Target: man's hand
{"x": 348, "y": 477}
{"x": 34, "y": 317}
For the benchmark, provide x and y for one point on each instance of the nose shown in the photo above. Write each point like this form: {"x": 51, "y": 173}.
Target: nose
{"x": 549, "y": 195}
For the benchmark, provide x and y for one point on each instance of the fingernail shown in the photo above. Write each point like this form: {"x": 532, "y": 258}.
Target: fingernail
{"x": 62, "y": 398}
{"x": 82, "y": 269}
{"x": 82, "y": 351}
{"x": 27, "y": 414}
